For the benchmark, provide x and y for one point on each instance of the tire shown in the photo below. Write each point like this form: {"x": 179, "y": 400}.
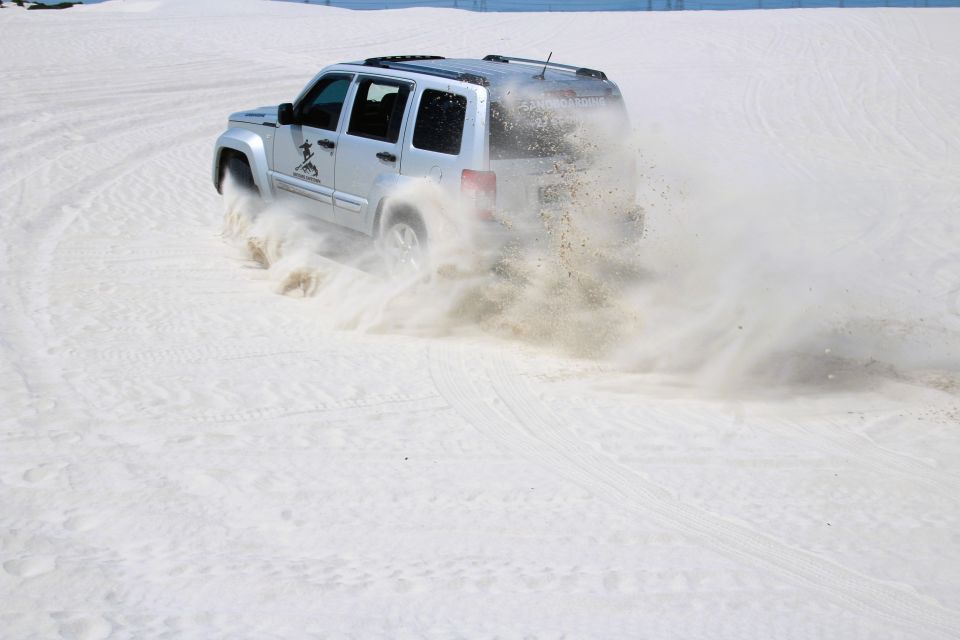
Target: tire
{"x": 237, "y": 167}
{"x": 403, "y": 244}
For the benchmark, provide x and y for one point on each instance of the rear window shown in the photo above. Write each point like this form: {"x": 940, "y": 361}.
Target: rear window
{"x": 440, "y": 122}
{"x": 554, "y": 126}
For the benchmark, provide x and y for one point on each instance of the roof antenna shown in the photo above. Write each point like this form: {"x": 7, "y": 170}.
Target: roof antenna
{"x": 540, "y": 75}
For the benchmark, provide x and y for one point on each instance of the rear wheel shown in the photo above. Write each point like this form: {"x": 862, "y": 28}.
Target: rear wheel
{"x": 403, "y": 244}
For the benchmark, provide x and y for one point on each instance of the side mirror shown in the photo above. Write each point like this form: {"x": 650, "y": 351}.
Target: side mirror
{"x": 285, "y": 114}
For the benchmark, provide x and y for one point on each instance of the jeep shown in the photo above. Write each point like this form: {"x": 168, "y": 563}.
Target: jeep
{"x": 509, "y": 136}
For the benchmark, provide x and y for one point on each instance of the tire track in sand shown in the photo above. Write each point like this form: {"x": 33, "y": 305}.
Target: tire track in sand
{"x": 486, "y": 389}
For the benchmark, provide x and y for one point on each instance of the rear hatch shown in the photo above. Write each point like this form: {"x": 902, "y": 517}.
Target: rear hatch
{"x": 563, "y": 147}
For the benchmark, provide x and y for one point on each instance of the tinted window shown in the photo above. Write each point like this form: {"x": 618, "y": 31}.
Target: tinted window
{"x": 515, "y": 134}
{"x": 378, "y": 110}
{"x": 557, "y": 127}
{"x": 440, "y": 122}
{"x": 321, "y": 107}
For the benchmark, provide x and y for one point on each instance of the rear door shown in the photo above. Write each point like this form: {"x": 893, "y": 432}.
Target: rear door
{"x": 304, "y": 152}
{"x": 368, "y": 151}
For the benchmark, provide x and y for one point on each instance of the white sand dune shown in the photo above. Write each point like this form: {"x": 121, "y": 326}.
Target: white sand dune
{"x": 186, "y": 453}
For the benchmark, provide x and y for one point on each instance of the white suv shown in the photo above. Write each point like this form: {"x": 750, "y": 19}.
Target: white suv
{"x": 509, "y": 135}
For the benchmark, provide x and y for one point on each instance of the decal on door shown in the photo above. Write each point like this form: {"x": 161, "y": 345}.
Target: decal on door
{"x": 306, "y": 170}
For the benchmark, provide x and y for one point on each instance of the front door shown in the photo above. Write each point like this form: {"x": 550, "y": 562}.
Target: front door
{"x": 304, "y": 152}
{"x": 369, "y": 149}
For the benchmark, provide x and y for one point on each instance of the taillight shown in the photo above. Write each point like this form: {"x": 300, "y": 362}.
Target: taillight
{"x": 479, "y": 189}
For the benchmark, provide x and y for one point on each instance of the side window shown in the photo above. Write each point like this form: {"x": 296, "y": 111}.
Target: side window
{"x": 321, "y": 107}
{"x": 378, "y": 109}
{"x": 440, "y": 122}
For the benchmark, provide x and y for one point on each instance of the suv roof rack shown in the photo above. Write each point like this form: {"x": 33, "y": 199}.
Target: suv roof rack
{"x": 401, "y": 63}
{"x": 580, "y": 71}
{"x": 379, "y": 61}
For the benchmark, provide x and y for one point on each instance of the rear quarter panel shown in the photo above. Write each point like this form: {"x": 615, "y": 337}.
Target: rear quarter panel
{"x": 441, "y": 168}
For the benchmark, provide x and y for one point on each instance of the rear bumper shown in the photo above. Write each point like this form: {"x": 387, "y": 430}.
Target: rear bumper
{"x": 550, "y": 227}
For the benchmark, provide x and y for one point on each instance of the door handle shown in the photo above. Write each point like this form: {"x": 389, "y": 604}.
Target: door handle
{"x": 386, "y": 155}
{"x": 326, "y": 144}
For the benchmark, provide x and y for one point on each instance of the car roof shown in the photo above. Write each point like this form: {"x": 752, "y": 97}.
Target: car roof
{"x": 501, "y": 74}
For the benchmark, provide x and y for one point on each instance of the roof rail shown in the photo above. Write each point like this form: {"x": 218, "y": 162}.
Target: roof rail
{"x": 380, "y": 61}
{"x": 580, "y": 71}
{"x": 401, "y": 63}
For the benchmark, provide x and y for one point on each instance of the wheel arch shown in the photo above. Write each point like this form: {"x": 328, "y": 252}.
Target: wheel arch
{"x": 249, "y": 146}
{"x": 389, "y": 209}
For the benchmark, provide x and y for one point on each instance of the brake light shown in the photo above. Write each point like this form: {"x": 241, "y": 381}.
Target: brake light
{"x": 479, "y": 188}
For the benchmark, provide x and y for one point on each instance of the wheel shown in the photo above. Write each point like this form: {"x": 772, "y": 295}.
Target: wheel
{"x": 239, "y": 171}
{"x": 403, "y": 244}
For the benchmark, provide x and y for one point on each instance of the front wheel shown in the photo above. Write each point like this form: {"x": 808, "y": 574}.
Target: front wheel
{"x": 239, "y": 171}
{"x": 403, "y": 245}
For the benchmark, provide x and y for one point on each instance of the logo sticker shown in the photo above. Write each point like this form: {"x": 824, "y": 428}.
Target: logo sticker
{"x": 306, "y": 170}
{"x": 561, "y": 103}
